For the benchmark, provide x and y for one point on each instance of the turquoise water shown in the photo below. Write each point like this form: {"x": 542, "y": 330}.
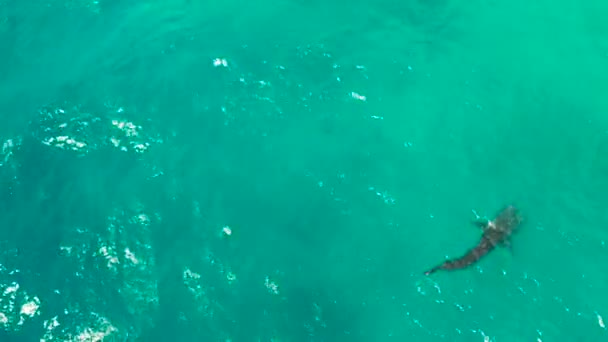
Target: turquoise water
{"x": 286, "y": 171}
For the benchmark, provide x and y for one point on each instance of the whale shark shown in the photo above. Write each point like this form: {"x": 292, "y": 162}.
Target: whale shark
{"x": 495, "y": 232}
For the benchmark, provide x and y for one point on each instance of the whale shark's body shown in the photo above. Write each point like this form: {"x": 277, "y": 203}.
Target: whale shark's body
{"x": 495, "y": 232}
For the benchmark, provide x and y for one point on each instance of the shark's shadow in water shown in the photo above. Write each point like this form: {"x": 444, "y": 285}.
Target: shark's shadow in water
{"x": 495, "y": 232}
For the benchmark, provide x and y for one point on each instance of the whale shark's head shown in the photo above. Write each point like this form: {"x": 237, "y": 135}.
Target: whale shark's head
{"x": 508, "y": 220}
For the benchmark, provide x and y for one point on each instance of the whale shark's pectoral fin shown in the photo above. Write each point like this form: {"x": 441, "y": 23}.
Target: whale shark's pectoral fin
{"x": 507, "y": 244}
{"x": 481, "y": 223}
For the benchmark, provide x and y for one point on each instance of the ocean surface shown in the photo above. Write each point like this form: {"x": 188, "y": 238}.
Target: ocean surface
{"x": 286, "y": 171}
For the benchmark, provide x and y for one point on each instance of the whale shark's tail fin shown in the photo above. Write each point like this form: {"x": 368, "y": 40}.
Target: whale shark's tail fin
{"x": 434, "y": 269}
